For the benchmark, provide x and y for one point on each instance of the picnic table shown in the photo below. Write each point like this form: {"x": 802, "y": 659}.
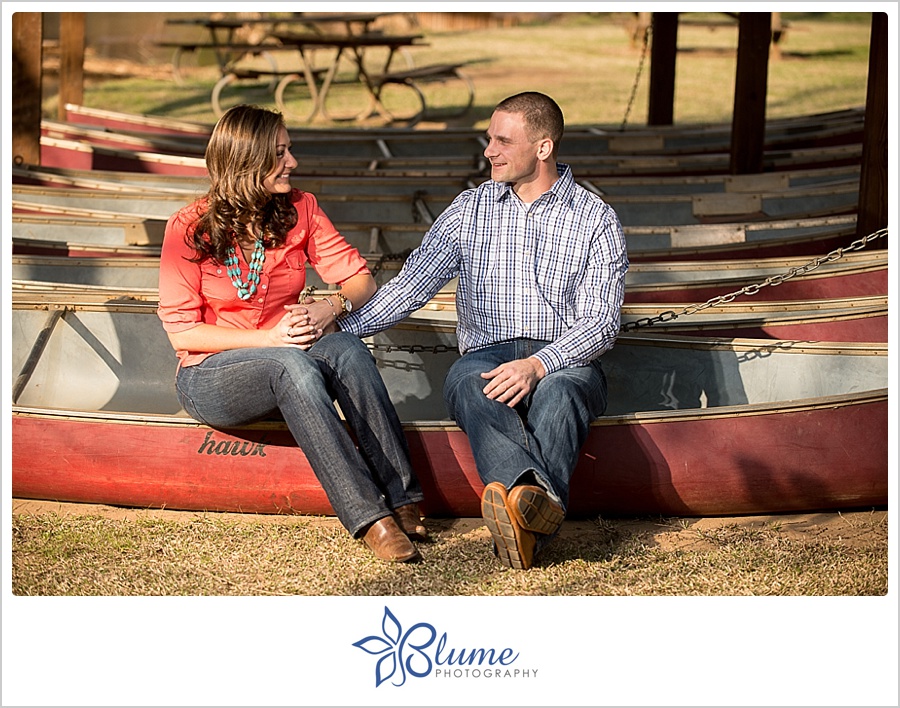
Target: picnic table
{"x": 318, "y": 81}
{"x": 313, "y": 76}
{"x": 224, "y": 34}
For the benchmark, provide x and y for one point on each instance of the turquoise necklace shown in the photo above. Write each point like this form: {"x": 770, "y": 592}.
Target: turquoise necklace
{"x": 233, "y": 267}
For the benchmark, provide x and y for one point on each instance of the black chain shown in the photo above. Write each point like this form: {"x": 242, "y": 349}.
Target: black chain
{"x": 388, "y": 257}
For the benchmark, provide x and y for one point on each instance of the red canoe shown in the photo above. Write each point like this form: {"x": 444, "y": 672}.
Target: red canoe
{"x": 807, "y": 455}
{"x": 694, "y": 426}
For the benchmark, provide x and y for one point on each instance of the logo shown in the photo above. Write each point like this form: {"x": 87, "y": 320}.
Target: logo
{"x": 212, "y": 446}
{"x": 419, "y": 652}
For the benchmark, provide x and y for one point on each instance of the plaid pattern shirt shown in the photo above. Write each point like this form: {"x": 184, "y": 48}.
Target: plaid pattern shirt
{"x": 553, "y": 270}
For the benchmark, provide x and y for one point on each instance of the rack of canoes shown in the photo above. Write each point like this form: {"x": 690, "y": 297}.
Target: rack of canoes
{"x": 93, "y": 139}
{"x": 750, "y": 375}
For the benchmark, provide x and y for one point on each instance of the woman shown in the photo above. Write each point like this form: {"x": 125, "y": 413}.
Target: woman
{"x": 231, "y": 272}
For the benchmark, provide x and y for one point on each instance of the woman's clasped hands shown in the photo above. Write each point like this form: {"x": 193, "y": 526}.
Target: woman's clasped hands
{"x": 303, "y": 324}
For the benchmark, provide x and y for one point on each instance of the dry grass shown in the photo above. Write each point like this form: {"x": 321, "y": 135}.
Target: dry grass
{"x": 75, "y": 550}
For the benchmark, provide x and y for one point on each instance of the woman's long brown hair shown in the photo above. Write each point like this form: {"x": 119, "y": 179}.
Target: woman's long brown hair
{"x": 239, "y": 156}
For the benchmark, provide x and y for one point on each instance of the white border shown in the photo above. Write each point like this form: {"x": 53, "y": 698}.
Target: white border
{"x": 587, "y": 651}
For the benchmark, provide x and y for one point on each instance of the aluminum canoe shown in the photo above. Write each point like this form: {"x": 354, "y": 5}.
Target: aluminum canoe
{"x": 856, "y": 319}
{"x": 130, "y": 181}
{"x": 854, "y": 274}
{"x": 738, "y": 239}
{"x": 423, "y": 205}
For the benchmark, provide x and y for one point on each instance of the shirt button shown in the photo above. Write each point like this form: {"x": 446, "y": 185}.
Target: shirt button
{"x": 263, "y": 287}
{"x": 219, "y": 271}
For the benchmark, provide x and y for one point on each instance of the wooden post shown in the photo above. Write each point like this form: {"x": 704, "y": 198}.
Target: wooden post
{"x": 748, "y": 125}
{"x": 777, "y": 35}
{"x": 71, "y": 62}
{"x": 27, "y": 40}
{"x": 873, "y": 182}
{"x": 663, "y": 51}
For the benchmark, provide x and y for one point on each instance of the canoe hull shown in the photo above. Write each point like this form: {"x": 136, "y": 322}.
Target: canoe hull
{"x": 760, "y": 460}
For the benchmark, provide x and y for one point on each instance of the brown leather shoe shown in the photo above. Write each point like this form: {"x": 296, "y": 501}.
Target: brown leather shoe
{"x": 388, "y": 542}
{"x": 514, "y": 545}
{"x": 533, "y": 508}
{"x": 409, "y": 518}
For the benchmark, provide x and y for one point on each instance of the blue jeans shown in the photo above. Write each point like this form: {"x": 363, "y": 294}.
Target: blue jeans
{"x": 540, "y": 439}
{"x": 362, "y": 483}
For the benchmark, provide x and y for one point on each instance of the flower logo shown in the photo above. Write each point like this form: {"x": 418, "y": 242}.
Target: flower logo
{"x": 400, "y": 652}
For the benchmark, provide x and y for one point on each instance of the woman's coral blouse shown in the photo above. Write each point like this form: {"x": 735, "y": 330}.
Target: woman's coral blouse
{"x": 201, "y": 293}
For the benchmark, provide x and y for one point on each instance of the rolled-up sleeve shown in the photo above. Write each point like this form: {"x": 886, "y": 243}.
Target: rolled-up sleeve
{"x": 180, "y": 302}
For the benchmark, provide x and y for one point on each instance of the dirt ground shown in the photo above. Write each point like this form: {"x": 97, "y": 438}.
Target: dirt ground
{"x": 853, "y": 528}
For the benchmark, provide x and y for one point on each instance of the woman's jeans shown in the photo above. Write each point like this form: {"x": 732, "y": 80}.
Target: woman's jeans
{"x": 236, "y": 387}
{"x": 539, "y": 440}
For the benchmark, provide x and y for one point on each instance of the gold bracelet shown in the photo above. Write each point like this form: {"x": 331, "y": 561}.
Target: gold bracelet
{"x": 331, "y": 305}
{"x": 346, "y": 305}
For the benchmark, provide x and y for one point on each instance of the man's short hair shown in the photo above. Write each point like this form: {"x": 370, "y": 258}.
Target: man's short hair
{"x": 543, "y": 117}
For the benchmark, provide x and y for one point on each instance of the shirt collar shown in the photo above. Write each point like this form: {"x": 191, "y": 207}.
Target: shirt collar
{"x": 562, "y": 189}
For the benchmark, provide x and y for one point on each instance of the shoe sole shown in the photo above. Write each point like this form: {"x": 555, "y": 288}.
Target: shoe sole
{"x": 537, "y": 512}
{"x": 504, "y": 530}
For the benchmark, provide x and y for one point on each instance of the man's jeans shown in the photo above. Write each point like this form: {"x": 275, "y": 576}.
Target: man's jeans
{"x": 235, "y": 387}
{"x": 543, "y": 435}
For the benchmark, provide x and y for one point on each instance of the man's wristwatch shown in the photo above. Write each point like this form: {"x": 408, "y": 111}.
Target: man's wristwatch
{"x": 346, "y": 305}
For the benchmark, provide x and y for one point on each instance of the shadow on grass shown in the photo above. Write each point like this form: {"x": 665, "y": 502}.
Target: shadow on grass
{"x": 461, "y": 562}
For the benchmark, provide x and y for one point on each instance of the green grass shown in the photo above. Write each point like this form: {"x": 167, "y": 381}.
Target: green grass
{"x": 585, "y": 60}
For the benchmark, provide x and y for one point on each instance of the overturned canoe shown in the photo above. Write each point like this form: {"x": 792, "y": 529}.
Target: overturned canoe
{"x": 694, "y": 426}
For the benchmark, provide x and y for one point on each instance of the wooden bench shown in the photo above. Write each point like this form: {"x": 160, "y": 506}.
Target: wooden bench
{"x": 412, "y": 78}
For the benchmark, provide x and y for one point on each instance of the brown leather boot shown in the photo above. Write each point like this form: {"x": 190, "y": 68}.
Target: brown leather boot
{"x": 388, "y": 542}
{"x": 409, "y": 518}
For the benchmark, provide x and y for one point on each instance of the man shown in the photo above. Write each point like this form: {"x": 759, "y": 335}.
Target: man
{"x": 541, "y": 265}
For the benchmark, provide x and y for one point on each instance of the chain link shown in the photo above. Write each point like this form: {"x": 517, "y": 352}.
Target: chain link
{"x": 834, "y": 255}
{"x": 388, "y": 257}
{"x": 637, "y": 77}
{"x": 411, "y": 349}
